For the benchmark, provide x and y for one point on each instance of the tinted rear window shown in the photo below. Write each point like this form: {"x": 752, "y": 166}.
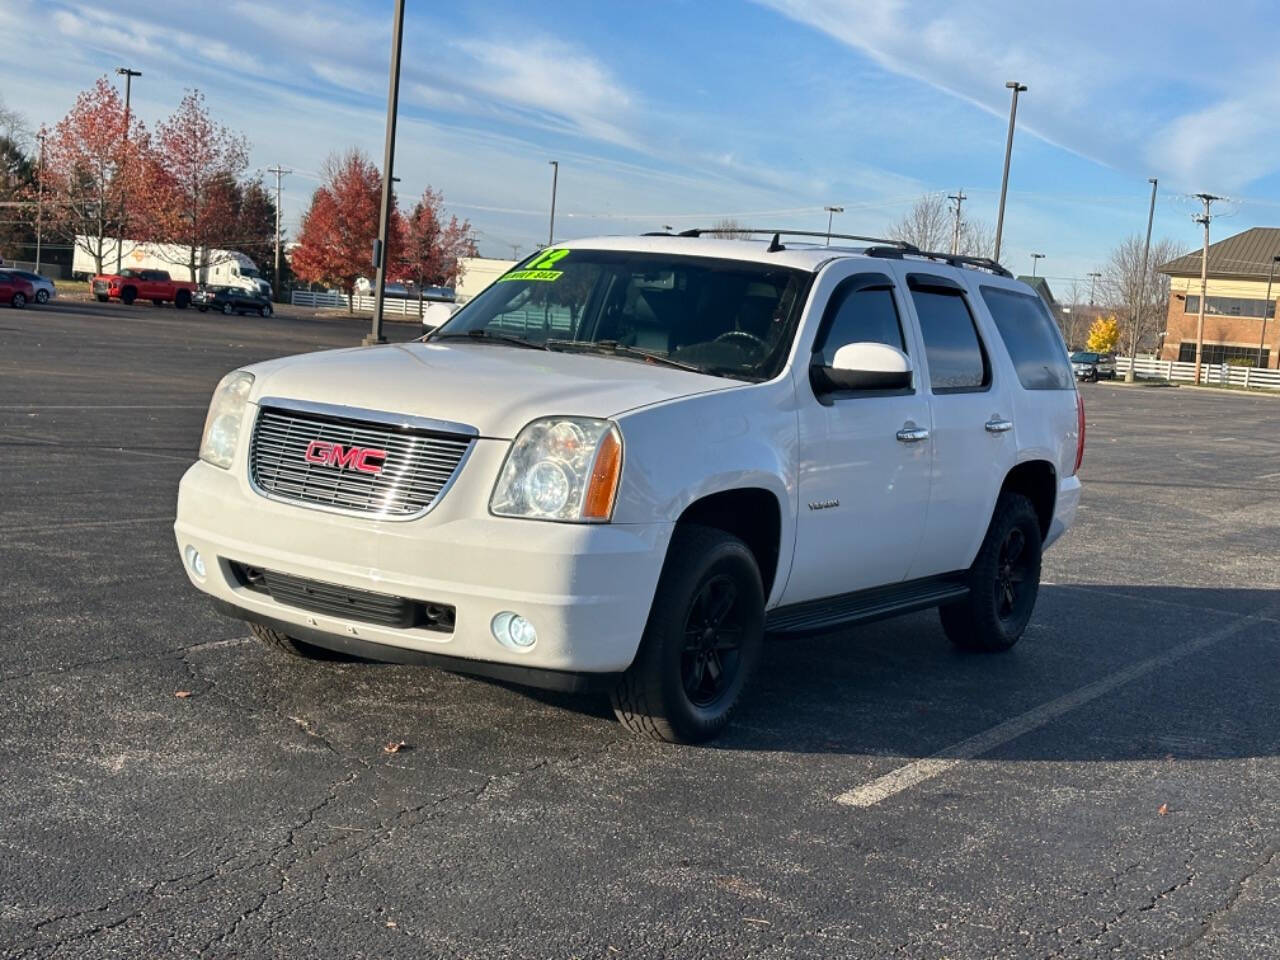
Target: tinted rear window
{"x": 1029, "y": 333}
{"x": 956, "y": 359}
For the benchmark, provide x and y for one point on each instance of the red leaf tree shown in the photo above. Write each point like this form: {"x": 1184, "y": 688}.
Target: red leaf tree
{"x": 335, "y": 242}
{"x": 92, "y": 171}
{"x": 201, "y": 163}
{"x": 432, "y": 247}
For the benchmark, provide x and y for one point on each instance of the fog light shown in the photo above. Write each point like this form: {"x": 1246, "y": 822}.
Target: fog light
{"x": 512, "y": 630}
{"x": 194, "y": 561}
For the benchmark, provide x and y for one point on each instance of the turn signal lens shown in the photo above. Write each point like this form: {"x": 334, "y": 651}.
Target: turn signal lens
{"x": 602, "y": 489}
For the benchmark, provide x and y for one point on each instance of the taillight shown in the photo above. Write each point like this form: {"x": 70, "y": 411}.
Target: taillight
{"x": 1079, "y": 432}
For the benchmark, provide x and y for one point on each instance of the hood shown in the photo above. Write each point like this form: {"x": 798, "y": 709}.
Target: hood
{"x": 496, "y": 389}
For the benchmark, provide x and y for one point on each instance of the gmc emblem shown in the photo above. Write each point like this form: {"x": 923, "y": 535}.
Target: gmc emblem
{"x": 364, "y": 459}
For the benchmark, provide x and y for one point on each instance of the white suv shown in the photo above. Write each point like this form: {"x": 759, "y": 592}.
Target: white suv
{"x": 629, "y": 458}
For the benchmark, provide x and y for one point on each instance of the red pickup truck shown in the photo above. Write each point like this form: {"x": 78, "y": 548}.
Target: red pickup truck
{"x": 154, "y": 285}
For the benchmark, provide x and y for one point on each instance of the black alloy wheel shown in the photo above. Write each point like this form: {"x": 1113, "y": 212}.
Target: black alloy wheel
{"x": 1012, "y": 575}
{"x": 713, "y": 634}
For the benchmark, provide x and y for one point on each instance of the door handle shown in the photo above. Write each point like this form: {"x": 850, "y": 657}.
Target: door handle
{"x": 999, "y": 425}
{"x": 913, "y": 434}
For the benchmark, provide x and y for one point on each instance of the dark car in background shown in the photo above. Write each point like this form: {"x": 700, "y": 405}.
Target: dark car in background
{"x": 15, "y": 290}
{"x": 231, "y": 300}
{"x": 1093, "y": 366}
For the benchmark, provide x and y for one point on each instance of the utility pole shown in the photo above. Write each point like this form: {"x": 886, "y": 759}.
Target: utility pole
{"x": 1203, "y": 219}
{"x": 555, "y": 178}
{"x": 1141, "y": 297}
{"x": 388, "y": 156}
{"x": 831, "y": 212}
{"x": 40, "y": 200}
{"x": 515, "y": 251}
{"x": 279, "y": 171}
{"x": 1093, "y": 285}
{"x": 1017, "y": 88}
{"x": 957, "y": 198}
{"x": 1270, "y": 307}
{"x": 1035, "y": 257}
{"x": 128, "y": 75}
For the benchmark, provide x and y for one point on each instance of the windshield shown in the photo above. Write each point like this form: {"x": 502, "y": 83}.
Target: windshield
{"x": 724, "y": 317}
{"x": 1084, "y": 358}
{"x": 248, "y": 272}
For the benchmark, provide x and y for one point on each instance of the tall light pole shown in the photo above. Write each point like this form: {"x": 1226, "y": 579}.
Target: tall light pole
{"x": 1136, "y": 331}
{"x": 831, "y": 212}
{"x": 555, "y": 179}
{"x": 128, "y": 75}
{"x": 388, "y": 156}
{"x": 1017, "y": 88}
{"x": 279, "y": 171}
{"x": 1269, "y": 307}
{"x": 1203, "y": 219}
{"x": 1035, "y": 257}
{"x": 40, "y": 200}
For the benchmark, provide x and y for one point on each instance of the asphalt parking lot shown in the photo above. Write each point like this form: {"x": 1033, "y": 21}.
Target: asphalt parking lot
{"x": 1109, "y": 788}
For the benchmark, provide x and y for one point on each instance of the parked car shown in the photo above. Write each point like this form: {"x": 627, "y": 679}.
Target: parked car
{"x": 154, "y": 285}
{"x": 231, "y": 300}
{"x": 15, "y": 290}
{"x": 630, "y": 457}
{"x": 45, "y": 290}
{"x": 1088, "y": 365}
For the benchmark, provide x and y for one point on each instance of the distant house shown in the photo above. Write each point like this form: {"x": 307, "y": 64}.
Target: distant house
{"x": 1236, "y": 308}
{"x": 1041, "y": 286}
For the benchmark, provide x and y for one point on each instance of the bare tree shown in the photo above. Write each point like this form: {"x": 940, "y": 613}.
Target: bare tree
{"x": 728, "y": 229}
{"x": 1074, "y": 317}
{"x": 977, "y": 239}
{"x": 13, "y": 125}
{"x": 1139, "y": 301}
{"x": 927, "y": 225}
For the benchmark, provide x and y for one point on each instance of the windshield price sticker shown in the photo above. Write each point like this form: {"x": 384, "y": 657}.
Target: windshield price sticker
{"x": 540, "y": 269}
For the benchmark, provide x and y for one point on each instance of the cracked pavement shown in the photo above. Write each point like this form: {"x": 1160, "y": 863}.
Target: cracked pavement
{"x": 260, "y": 816}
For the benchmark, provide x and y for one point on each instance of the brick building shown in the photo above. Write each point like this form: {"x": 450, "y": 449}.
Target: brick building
{"x": 1236, "y": 305}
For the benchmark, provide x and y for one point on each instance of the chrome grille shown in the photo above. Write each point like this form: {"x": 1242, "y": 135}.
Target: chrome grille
{"x": 418, "y": 465}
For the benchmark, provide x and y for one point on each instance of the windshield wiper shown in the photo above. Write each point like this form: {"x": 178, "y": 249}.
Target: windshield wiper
{"x": 487, "y": 335}
{"x": 621, "y": 350}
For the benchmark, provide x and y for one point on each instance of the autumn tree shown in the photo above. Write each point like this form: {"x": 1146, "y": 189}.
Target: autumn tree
{"x": 432, "y": 247}
{"x": 90, "y": 168}
{"x": 335, "y": 242}
{"x": 1141, "y": 299}
{"x": 202, "y": 162}
{"x": 1104, "y": 334}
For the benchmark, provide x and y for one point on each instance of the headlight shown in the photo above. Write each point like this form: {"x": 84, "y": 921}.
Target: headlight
{"x": 561, "y": 468}
{"x": 222, "y": 425}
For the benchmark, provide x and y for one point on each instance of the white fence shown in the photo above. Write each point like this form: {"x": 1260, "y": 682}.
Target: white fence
{"x": 1211, "y": 374}
{"x": 391, "y": 306}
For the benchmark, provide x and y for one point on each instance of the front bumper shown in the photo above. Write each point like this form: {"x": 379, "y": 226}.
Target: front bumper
{"x": 586, "y": 588}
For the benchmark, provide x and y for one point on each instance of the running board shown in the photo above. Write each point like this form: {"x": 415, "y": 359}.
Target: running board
{"x": 863, "y": 606}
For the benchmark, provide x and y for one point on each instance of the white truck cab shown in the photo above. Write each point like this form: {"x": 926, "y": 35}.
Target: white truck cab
{"x": 629, "y": 458}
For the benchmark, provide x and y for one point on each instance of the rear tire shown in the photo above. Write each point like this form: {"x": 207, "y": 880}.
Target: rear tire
{"x": 227, "y": 310}
{"x": 286, "y": 643}
{"x": 18, "y": 301}
{"x": 1003, "y": 581}
{"x": 701, "y": 643}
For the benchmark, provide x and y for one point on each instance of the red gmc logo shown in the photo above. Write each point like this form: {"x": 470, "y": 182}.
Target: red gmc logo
{"x": 364, "y": 459}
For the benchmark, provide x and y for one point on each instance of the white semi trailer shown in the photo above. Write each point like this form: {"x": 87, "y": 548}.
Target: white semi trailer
{"x": 224, "y": 268}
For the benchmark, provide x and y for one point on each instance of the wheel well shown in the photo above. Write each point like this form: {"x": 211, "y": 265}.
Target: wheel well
{"x": 1038, "y": 482}
{"x": 750, "y": 514}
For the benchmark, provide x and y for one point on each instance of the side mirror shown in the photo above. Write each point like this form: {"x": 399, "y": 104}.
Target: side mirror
{"x": 863, "y": 366}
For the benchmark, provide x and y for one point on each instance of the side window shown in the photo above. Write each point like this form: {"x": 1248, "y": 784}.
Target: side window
{"x": 1031, "y": 337}
{"x": 860, "y": 311}
{"x": 957, "y": 360}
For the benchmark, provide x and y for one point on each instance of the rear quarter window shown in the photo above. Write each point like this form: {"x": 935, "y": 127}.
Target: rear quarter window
{"x": 1031, "y": 337}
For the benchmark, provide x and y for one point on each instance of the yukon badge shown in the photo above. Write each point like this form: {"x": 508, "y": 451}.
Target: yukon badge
{"x": 824, "y": 504}
{"x": 364, "y": 459}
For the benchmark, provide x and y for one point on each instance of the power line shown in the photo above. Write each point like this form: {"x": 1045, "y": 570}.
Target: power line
{"x": 1203, "y": 219}
{"x": 957, "y": 198}
{"x": 279, "y": 171}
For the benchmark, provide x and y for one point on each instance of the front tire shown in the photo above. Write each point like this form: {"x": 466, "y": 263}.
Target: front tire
{"x": 42, "y": 297}
{"x": 227, "y": 310}
{"x": 701, "y": 643}
{"x": 182, "y": 299}
{"x": 265, "y": 312}
{"x": 286, "y": 643}
{"x": 1003, "y": 581}
{"x": 128, "y": 295}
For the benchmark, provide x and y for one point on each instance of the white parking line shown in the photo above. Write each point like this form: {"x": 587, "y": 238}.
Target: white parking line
{"x": 926, "y": 768}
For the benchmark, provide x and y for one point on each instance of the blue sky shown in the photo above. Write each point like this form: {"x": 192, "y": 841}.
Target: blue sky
{"x": 681, "y": 111}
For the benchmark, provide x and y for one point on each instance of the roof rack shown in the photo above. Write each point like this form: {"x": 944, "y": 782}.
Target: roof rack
{"x": 952, "y": 259}
{"x": 699, "y": 231}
